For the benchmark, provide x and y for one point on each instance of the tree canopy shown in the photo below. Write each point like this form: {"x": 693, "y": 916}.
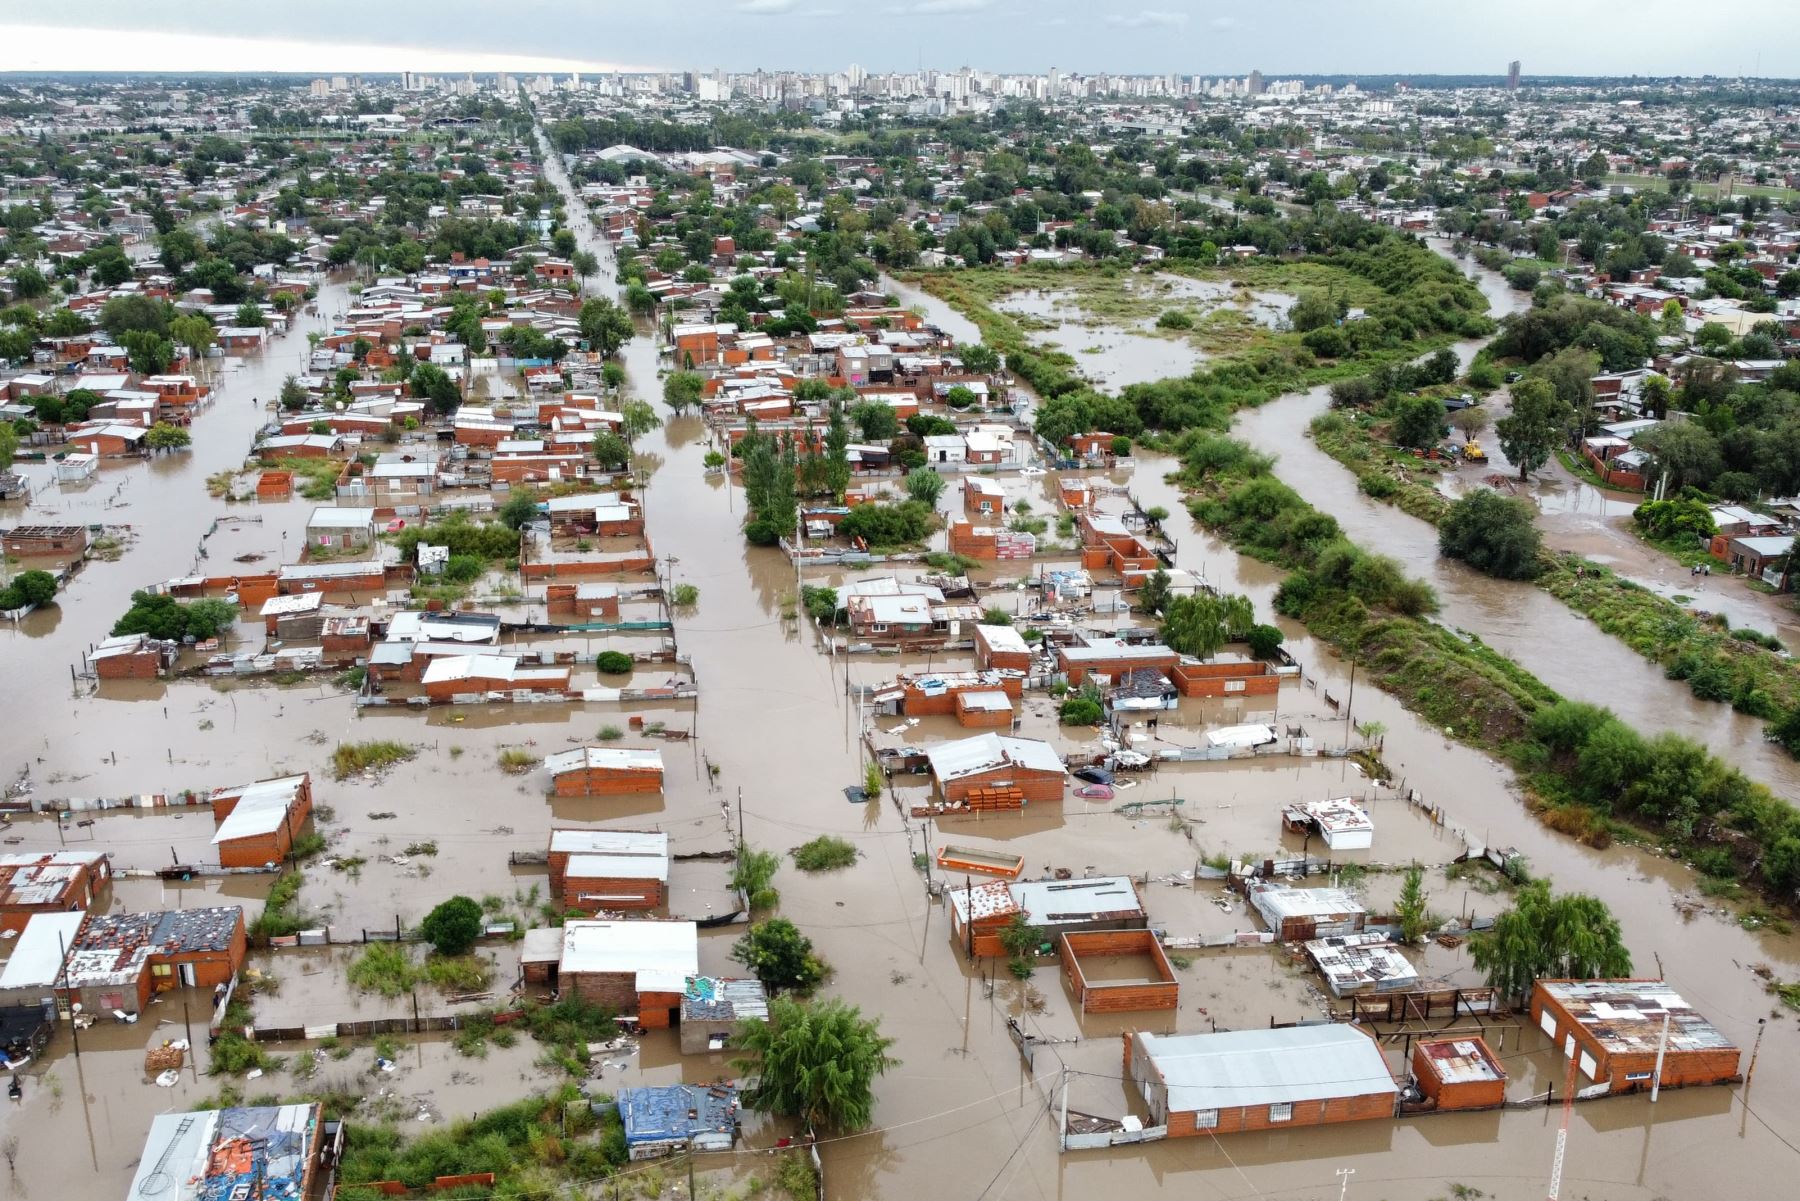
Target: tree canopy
{"x": 1543, "y": 937}
{"x": 814, "y": 1061}
{"x": 1492, "y": 533}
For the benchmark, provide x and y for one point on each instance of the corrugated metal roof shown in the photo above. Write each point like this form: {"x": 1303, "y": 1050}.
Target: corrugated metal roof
{"x": 986, "y": 752}
{"x": 601, "y": 758}
{"x": 1626, "y": 1015}
{"x": 1267, "y": 1067}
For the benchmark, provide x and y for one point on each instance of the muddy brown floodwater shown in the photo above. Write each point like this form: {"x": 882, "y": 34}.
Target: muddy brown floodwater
{"x": 962, "y": 1116}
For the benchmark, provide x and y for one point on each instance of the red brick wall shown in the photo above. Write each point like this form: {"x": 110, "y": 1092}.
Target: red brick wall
{"x": 615, "y": 990}
{"x": 1115, "y": 668}
{"x": 1102, "y": 997}
{"x": 608, "y": 781}
{"x": 984, "y": 719}
{"x": 1305, "y": 1113}
{"x": 1209, "y": 679}
{"x": 1037, "y": 786}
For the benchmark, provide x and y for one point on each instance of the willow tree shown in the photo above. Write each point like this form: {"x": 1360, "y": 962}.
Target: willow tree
{"x": 1543, "y": 937}
{"x": 814, "y": 1061}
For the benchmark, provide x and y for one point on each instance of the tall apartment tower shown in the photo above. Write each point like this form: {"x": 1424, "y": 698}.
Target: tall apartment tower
{"x": 1254, "y": 85}
{"x": 1512, "y": 76}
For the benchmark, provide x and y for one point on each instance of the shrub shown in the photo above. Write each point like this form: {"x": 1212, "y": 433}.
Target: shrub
{"x": 1264, "y": 640}
{"x": 613, "y": 663}
{"x": 780, "y": 956}
{"x": 354, "y": 758}
{"x": 823, "y": 854}
{"x": 685, "y": 595}
{"x": 1081, "y": 711}
{"x": 753, "y": 874}
{"x": 1174, "y": 319}
{"x": 1492, "y": 533}
{"x": 453, "y": 926}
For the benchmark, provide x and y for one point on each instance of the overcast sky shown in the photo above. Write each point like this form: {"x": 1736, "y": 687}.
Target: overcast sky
{"x": 1197, "y": 37}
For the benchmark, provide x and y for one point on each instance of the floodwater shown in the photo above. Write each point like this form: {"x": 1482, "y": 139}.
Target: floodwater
{"x": 961, "y": 1115}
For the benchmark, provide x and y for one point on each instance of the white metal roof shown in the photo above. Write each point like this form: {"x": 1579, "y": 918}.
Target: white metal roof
{"x": 615, "y": 758}
{"x": 467, "y": 667}
{"x": 986, "y": 752}
{"x": 662, "y": 955}
{"x": 38, "y": 954}
{"x": 334, "y": 518}
{"x": 261, "y": 809}
{"x": 611, "y": 842}
{"x": 1265, "y": 1067}
{"x": 1003, "y": 638}
{"x": 616, "y": 867}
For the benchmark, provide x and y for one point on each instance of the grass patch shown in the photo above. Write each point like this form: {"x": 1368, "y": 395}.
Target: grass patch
{"x": 516, "y": 761}
{"x": 383, "y": 968}
{"x": 359, "y": 758}
{"x": 281, "y": 914}
{"x": 824, "y": 854}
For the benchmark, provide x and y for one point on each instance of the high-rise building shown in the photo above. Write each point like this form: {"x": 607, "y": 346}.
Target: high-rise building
{"x": 1512, "y": 76}
{"x": 1254, "y": 85}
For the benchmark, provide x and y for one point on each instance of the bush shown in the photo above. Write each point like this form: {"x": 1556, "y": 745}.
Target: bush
{"x": 685, "y": 596}
{"x": 903, "y": 524}
{"x": 823, "y": 854}
{"x": 453, "y": 926}
{"x": 1264, "y": 640}
{"x": 1174, "y": 319}
{"x": 1419, "y": 422}
{"x": 753, "y": 874}
{"x": 354, "y": 758}
{"x": 1492, "y": 533}
{"x": 924, "y": 485}
{"x": 613, "y": 663}
{"x": 1081, "y": 711}
{"x": 780, "y": 956}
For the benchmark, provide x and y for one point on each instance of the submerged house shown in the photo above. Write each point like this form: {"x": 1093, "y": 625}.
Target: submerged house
{"x": 1615, "y": 1030}
{"x": 257, "y": 1153}
{"x": 33, "y": 882}
{"x": 1026, "y": 766}
{"x": 978, "y": 912}
{"x": 1240, "y": 1080}
{"x": 259, "y": 822}
{"x": 638, "y": 967}
{"x": 595, "y": 870}
{"x": 1303, "y": 914}
{"x": 119, "y": 960}
{"x": 664, "y": 1120}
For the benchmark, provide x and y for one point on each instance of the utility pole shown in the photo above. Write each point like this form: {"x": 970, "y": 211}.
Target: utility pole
{"x": 1343, "y": 1175}
{"x": 1662, "y": 1047}
{"x": 1750, "y": 1072}
{"x": 1062, "y": 1129}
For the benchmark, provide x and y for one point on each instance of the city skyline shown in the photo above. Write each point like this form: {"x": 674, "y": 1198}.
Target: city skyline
{"x": 1189, "y": 37}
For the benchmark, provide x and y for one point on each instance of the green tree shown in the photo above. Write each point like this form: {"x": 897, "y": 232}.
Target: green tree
{"x": 637, "y": 418}
{"x": 876, "y": 421}
{"x": 65, "y": 323}
{"x": 1537, "y": 425}
{"x": 195, "y": 333}
{"x": 682, "y": 390}
{"x": 433, "y": 384}
{"x": 147, "y": 353}
{"x": 1568, "y": 937}
{"x": 978, "y": 357}
{"x": 585, "y": 263}
{"x": 1411, "y": 907}
{"x": 250, "y": 314}
{"x": 15, "y": 344}
{"x": 611, "y": 451}
{"x": 815, "y": 1062}
{"x": 520, "y": 509}
{"x": 924, "y": 484}
{"x": 29, "y": 283}
{"x": 294, "y": 396}
{"x": 453, "y": 926}
{"x": 1418, "y": 422}
{"x": 1312, "y": 311}
{"x": 163, "y": 436}
{"x": 605, "y": 325}
{"x": 123, "y": 313}
{"x": 1685, "y": 450}
{"x": 32, "y": 587}
{"x": 9, "y": 444}
{"x": 837, "y": 450}
{"x": 1153, "y": 595}
{"x": 177, "y": 249}
{"x": 780, "y": 956}
{"x": 1492, "y": 533}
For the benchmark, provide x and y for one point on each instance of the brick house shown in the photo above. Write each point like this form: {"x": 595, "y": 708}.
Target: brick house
{"x": 258, "y": 823}
{"x": 605, "y": 771}
{"x": 119, "y": 960}
{"x": 1113, "y": 658}
{"x": 590, "y": 601}
{"x": 638, "y": 968}
{"x": 1001, "y": 647}
{"x": 594, "y": 870}
{"x": 1458, "y": 1073}
{"x": 1081, "y": 951}
{"x": 991, "y": 760}
{"x": 447, "y": 677}
{"x": 1242, "y": 1080}
{"x": 46, "y": 541}
{"x": 1225, "y": 675}
{"x": 49, "y": 882}
{"x": 131, "y": 657}
{"x": 978, "y": 912}
{"x": 1615, "y": 1028}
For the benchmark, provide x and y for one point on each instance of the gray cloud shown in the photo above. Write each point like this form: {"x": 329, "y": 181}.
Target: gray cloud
{"x": 1149, "y": 17}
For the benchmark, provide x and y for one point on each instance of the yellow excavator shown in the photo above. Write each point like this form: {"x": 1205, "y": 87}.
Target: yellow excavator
{"x": 1472, "y": 453}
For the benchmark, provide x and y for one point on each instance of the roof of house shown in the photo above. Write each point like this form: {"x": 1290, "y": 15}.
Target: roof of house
{"x": 721, "y": 999}
{"x": 37, "y": 957}
{"x": 179, "y": 1163}
{"x": 112, "y": 948}
{"x": 450, "y": 668}
{"x": 336, "y": 518}
{"x": 1063, "y": 902}
{"x": 261, "y": 807}
{"x": 1276, "y": 902}
{"x": 37, "y": 878}
{"x": 1003, "y": 638}
{"x": 1240, "y": 1068}
{"x": 1461, "y": 1060}
{"x": 661, "y": 955}
{"x": 677, "y": 1111}
{"x": 1101, "y": 649}
{"x": 416, "y": 625}
{"x": 989, "y": 752}
{"x": 1360, "y": 961}
{"x": 604, "y": 758}
{"x": 1626, "y": 1015}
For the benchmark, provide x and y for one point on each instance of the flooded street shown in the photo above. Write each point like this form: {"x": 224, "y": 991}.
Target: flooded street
{"x": 962, "y": 1116}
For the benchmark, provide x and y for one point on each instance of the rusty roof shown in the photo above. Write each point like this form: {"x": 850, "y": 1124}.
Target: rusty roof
{"x": 1627, "y": 1015}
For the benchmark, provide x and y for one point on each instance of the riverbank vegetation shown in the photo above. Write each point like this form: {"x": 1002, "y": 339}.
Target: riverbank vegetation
{"x": 1736, "y": 667}
{"x": 1414, "y": 300}
{"x": 1589, "y": 775}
